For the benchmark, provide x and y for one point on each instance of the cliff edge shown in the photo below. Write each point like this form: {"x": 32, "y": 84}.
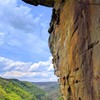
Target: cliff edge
{"x": 75, "y": 45}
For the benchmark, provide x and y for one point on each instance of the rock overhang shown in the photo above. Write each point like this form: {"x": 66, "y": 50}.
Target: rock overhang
{"x": 47, "y": 3}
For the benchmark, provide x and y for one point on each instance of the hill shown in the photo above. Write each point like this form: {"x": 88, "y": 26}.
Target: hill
{"x": 47, "y": 86}
{"x": 13, "y": 89}
{"x": 51, "y": 88}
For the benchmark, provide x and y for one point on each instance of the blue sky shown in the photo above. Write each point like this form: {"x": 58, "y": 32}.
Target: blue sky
{"x": 24, "y": 51}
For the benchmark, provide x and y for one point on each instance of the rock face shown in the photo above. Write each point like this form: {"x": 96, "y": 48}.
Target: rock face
{"x": 48, "y": 3}
{"x": 75, "y": 45}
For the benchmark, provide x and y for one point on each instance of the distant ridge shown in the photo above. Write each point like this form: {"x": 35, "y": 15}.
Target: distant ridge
{"x": 51, "y": 88}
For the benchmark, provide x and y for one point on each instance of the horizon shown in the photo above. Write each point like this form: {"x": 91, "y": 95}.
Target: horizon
{"x": 30, "y": 81}
{"x": 24, "y": 50}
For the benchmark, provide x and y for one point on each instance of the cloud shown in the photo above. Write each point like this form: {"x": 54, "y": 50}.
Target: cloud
{"x": 31, "y": 76}
{"x": 24, "y": 52}
{"x": 26, "y": 74}
{"x": 14, "y": 16}
{"x": 27, "y": 70}
{"x": 25, "y": 30}
{"x": 50, "y": 68}
{"x": 42, "y": 65}
{"x": 8, "y": 64}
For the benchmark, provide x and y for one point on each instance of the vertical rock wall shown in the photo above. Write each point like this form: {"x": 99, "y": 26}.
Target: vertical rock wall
{"x": 75, "y": 45}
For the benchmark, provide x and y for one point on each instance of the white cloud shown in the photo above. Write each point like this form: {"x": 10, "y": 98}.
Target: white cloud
{"x": 50, "y": 68}
{"x": 41, "y": 64}
{"x": 16, "y": 17}
{"x": 30, "y": 76}
{"x": 14, "y": 65}
{"x": 23, "y": 29}
{"x": 14, "y": 74}
{"x": 27, "y": 66}
{"x": 17, "y": 74}
{"x": 22, "y": 33}
{"x": 18, "y": 69}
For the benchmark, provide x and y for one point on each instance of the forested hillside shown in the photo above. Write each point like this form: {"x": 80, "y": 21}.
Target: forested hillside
{"x": 12, "y": 89}
{"x": 52, "y": 89}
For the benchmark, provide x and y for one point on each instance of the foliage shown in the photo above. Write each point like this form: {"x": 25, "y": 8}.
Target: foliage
{"x": 12, "y": 89}
{"x": 52, "y": 90}
{"x": 60, "y": 98}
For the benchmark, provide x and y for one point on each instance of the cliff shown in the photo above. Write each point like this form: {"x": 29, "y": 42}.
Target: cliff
{"x": 48, "y": 3}
{"x": 75, "y": 45}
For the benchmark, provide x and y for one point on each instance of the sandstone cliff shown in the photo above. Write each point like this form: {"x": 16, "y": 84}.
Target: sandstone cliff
{"x": 75, "y": 45}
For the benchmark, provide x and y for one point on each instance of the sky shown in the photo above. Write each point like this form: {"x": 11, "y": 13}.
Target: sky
{"x": 24, "y": 51}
